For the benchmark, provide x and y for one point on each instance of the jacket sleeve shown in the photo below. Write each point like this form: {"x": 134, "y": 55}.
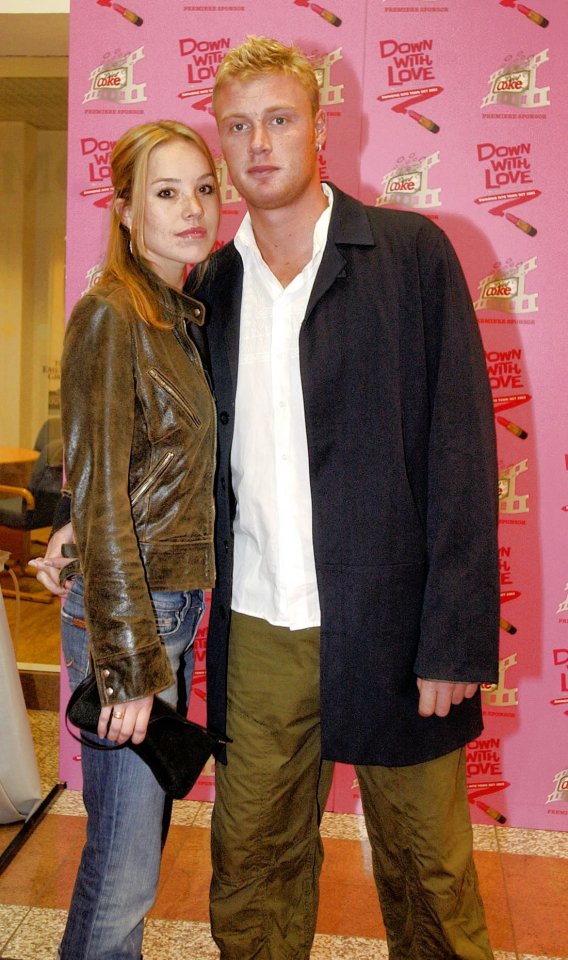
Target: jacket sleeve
{"x": 62, "y": 513}
{"x": 460, "y": 615}
{"x": 98, "y": 409}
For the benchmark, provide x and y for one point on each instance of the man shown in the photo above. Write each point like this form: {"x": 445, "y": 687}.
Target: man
{"x": 356, "y": 537}
{"x": 357, "y": 474}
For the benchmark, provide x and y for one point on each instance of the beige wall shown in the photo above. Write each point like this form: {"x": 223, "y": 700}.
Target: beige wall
{"x": 32, "y": 253}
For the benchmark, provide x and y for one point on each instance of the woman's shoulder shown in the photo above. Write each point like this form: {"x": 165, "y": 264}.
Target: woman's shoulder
{"x": 100, "y": 318}
{"x": 105, "y": 299}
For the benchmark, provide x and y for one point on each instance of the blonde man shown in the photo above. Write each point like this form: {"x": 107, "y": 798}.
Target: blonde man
{"x": 356, "y": 609}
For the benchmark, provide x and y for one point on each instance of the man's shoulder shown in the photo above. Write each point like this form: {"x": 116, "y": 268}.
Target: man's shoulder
{"x": 404, "y": 221}
{"x": 384, "y": 221}
{"x": 226, "y": 252}
{"x": 225, "y": 260}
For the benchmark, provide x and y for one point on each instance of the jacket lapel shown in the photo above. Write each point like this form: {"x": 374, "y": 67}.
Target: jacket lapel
{"x": 221, "y": 293}
{"x": 349, "y": 224}
{"x": 230, "y": 309}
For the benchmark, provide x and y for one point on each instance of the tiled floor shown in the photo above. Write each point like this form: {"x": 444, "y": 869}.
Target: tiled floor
{"x": 523, "y": 877}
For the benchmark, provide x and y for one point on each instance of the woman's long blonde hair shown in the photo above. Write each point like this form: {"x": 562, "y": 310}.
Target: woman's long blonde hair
{"x": 126, "y": 258}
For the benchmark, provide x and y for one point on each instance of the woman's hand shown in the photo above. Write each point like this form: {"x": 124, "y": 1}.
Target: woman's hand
{"x": 48, "y": 567}
{"x": 125, "y": 721}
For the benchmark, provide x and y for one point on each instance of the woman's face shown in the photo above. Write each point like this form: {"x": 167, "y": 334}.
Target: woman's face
{"x": 181, "y": 211}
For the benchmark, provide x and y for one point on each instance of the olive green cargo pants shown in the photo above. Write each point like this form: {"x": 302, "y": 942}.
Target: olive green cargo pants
{"x": 266, "y": 848}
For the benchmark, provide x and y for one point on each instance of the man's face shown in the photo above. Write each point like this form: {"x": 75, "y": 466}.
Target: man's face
{"x": 268, "y": 136}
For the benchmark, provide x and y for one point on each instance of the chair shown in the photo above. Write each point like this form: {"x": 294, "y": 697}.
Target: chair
{"x": 24, "y": 509}
{"x": 49, "y": 432}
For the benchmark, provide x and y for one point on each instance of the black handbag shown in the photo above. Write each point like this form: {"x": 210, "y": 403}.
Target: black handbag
{"x": 175, "y": 749}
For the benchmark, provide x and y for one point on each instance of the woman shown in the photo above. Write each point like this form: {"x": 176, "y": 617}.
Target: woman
{"x": 139, "y": 434}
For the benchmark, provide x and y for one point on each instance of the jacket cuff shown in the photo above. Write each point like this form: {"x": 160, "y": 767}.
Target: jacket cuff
{"x": 140, "y": 674}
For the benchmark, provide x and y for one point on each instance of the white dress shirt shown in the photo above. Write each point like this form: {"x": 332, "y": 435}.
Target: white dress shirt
{"x": 274, "y": 568}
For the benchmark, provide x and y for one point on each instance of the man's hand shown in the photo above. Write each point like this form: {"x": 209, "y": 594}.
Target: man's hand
{"x": 125, "y": 720}
{"x": 48, "y": 567}
{"x": 437, "y": 696}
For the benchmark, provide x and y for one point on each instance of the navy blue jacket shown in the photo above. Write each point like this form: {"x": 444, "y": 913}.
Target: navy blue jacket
{"x": 403, "y": 479}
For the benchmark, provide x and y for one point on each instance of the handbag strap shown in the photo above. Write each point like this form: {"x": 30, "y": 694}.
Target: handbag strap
{"x": 93, "y": 743}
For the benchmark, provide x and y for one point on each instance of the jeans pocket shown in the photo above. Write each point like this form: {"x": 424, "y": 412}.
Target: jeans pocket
{"x": 167, "y": 609}
{"x": 179, "y": 612}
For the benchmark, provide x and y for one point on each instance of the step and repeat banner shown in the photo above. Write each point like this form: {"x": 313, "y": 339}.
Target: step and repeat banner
{"x": 457, "y": 110}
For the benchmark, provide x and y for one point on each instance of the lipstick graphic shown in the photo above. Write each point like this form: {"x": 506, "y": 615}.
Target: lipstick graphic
{"x": 513, "y": 427}
{"x": 423, "y": 121}
{"x": 506, "y": 626}
{"x": 127, "y": 14}
{"x": 527, "y": 12}
{"x": 512, "y": 200}
{"x": 491, "y": 811}
{"x": 533, "y": 15}
{"x": 321, "y": 12}
{"x": 410, "y": 98}
{"x": 521, "y": 224}
{"x": 485, "y": 789}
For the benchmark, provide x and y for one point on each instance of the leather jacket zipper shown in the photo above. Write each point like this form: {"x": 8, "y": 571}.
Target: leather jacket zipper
{"x": 151, "y": 478}
{"x": 174, "y": 392}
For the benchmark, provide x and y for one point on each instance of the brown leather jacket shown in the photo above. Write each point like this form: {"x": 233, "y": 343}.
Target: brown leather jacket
{"x": 139, "y": 434}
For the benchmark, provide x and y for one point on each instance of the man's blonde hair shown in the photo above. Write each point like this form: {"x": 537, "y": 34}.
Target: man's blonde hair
{"x": 257, "y": 56}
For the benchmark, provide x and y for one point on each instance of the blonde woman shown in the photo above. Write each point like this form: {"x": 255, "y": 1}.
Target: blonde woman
{"x": 139, "y": 433}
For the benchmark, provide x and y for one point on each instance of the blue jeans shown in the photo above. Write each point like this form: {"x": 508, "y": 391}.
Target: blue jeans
{"x": 128, "y": 812}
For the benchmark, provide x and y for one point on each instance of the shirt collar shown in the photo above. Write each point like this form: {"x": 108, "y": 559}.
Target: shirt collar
{"x": 245, "y": 240}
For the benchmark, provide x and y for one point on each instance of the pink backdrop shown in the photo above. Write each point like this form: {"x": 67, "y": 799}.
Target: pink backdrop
{"x": 457, "y": 110}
